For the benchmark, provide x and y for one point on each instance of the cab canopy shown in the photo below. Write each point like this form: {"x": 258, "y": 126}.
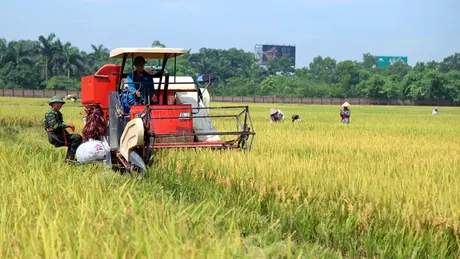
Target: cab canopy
{"x": 147, "y": 53}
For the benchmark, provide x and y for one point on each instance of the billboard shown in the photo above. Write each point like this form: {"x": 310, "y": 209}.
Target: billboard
{"x": 274, "y": 52}
{"x": 384, "y": 61}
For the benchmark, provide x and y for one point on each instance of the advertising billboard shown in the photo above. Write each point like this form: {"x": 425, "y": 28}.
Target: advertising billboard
{"x": 384, "y": 61}
{"x": 274, "y": 52}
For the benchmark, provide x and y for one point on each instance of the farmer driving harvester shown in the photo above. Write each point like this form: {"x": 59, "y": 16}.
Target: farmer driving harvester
{"x": 140, "y": 83}
{"x": 56, "y": 129}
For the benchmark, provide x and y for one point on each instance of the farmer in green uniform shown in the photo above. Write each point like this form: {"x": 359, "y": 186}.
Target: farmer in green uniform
{"x": 57, "y": 133}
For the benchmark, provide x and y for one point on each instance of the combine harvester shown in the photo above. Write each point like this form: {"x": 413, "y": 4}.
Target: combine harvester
{"x": 174, "y": 117}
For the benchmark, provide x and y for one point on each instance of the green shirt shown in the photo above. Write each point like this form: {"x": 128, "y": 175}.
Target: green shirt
{"x": 53, "y": 120}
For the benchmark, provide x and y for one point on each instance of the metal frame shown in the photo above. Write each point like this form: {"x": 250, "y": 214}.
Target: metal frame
{"x": 244, "y": 131}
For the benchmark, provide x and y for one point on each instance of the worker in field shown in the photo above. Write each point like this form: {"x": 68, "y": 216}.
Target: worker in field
{"x": 436, "y": 111}
{"x": 56, "y": 129}
{"x": 276, "y": 115}
{"x": 140, "y": 83}
{"x": 296, "y": 118}
{"x": 71, "y": 97}
{"x": 345, "y": 113}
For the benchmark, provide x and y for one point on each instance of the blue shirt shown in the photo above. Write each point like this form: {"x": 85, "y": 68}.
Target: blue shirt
{"x": 143, "y": 83}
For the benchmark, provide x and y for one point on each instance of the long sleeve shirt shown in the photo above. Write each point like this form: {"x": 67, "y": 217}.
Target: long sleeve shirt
{"x": 143, "y": 83}
{"x": 345, "y": 113}
{"x": 54, "y": 120}
{"x": 277, "y": 116}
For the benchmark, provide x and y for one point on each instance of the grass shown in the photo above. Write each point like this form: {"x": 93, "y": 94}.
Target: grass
{"x": 384, "y": 186}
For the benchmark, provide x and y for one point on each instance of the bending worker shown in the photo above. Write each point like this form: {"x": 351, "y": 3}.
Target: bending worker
{"x": 276, "y": 115}
{"x": 57, "y": 133}
{"x": 140, "y": 83}
{"x": 345, "y": 113}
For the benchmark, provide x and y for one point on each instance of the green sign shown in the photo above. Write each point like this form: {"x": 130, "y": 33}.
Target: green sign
{"x": 383, "y": 61}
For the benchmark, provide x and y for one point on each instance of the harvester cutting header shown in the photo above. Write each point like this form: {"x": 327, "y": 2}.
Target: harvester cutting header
{"x": 147, "y": 112}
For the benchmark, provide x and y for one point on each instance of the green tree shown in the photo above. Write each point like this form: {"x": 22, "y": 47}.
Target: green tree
{"x": 48, "y": 63}
{"x": 158, "y": 44}
{"x": 369, "y": 61}
{"x": 47, "y": 49}
{"x": 450, "y": 63}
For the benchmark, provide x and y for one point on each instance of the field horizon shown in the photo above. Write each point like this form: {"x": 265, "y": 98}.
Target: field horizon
{"x": 383, "y": 186}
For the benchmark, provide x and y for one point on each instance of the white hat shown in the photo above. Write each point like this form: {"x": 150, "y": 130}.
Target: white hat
{"x": 273, "y": 111}
{"x": 346, "y": 104}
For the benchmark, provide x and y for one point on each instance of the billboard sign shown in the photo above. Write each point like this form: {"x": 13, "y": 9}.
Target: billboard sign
{"x": 274, "y": 52}
{"x": 384, "y": 61}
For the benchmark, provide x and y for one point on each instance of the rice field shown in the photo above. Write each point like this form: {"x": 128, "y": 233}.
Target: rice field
{"x": 386, "y": 186}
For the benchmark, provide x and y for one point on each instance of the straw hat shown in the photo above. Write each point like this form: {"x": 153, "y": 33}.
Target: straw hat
{"x": 346, "y": 104}
{"x": 273, "y": 111}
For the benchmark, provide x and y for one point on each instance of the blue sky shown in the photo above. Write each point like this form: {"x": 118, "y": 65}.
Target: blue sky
{"x": 423, "y": 30}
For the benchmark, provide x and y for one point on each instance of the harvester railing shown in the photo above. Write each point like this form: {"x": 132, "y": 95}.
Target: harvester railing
{"x": 245, "y": 130}
{"x": 201, "y": 134}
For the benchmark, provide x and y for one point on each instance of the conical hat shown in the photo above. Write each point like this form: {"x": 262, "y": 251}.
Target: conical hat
{"x": 273, "y": 111}
{"x": 346, "y": 104}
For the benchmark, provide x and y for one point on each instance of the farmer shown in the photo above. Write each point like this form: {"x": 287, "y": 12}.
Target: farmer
{"x": 436, "y": 111}
{"x": 71, "y": 97}
{"x": 276, "y": 115}
{"x": 56, "y": 129}
{"x": 345, "y": 113}
{"x": 143, "y": 83}
{"x": 296, "y": 118}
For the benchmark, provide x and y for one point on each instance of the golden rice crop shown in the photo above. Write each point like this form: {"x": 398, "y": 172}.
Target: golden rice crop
{"x": 384, "y": 185}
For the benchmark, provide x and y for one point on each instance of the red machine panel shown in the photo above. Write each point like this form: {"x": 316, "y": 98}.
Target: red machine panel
{"x": 169, "y": 125}
{"x": 96, "y": 88}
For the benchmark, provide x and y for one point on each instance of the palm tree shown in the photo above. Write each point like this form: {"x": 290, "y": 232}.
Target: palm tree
{"x": 47, "y": 50}
{"x": 19, "y": 52}
{"x": 57, "y": 61}
{"x": 73, "y": 60}
{"x": 101, "y": 53}
{"x": 3, "y": 48}
{"x": 88, "y": 63}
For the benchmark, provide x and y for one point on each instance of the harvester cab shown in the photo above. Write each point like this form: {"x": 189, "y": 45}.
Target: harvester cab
{"x": 172, "y": 114}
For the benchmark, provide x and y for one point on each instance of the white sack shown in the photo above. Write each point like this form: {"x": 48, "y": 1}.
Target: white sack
{"x": 92, "y": 150}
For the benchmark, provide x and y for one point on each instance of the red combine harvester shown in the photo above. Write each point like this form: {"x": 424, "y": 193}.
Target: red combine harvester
{"x": 172, "y": 115}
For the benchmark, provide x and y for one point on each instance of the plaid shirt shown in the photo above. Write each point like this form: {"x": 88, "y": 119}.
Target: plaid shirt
{"x": 54, "y": 121}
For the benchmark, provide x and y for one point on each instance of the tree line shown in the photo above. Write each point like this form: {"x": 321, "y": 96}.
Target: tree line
{"x": 49, "y": 63}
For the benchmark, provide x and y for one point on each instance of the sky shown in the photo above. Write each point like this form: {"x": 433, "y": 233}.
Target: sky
{"x": 422, "y": 30}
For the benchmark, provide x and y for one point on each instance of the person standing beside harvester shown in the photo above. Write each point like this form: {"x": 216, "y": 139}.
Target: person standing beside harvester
{"x": 56, "y": 129}
{"x": 345, "y": 113}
